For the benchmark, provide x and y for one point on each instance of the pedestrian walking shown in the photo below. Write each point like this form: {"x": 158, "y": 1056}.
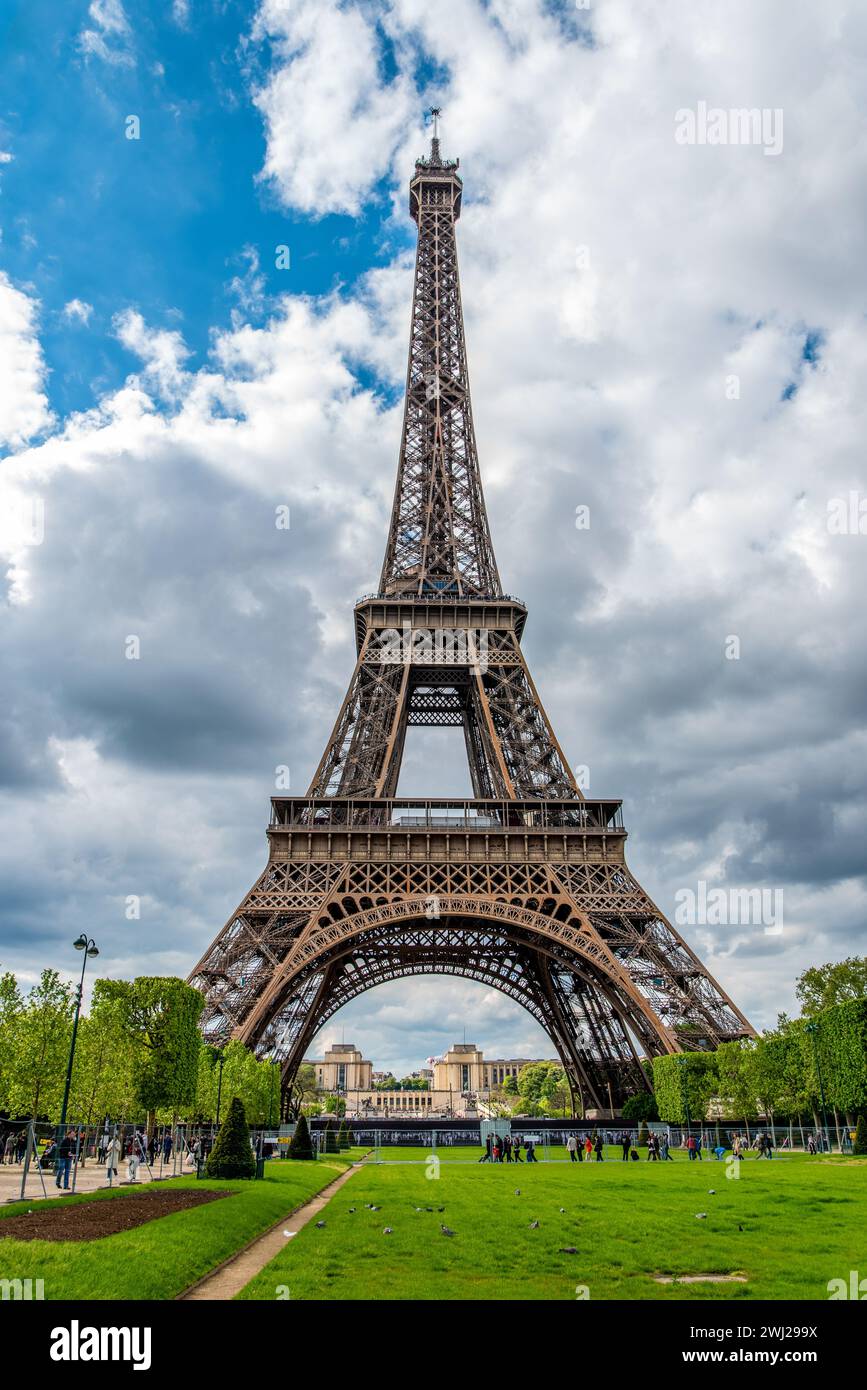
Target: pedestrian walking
{"x": 598, "y": 1147}
{"x": 572, "y": 1148}
{"x": 516, "y": 1149}
{"x": 531, "y": 1151}
{"x": 625, "y": 1146}
{"x": 112, "y": 1157}
{"x": 63, "y": 1163}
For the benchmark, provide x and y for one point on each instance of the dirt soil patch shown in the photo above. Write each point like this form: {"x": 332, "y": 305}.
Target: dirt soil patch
{"x": 105, "y": 1216}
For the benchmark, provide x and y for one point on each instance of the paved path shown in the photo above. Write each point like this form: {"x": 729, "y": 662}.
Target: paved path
{"x": 232, "y": 1276}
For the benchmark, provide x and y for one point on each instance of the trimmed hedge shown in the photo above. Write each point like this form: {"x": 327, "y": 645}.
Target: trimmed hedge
{"x": 231, "y": 1156}
{"x": 301, "y": 1145}
{"x": 685, "y": 1082}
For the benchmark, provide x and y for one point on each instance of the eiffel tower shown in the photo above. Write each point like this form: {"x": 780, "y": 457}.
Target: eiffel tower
{"x": 525, "y": 886}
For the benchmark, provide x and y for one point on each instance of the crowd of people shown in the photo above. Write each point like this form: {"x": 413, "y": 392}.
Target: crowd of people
{"x": 581, "y": 1147}
{"x": 508, "y": 1150}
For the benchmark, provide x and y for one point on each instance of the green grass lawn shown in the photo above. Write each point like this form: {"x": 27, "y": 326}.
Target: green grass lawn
{"x": 163, "y": 1257}
{"x": 790, "y": 1225}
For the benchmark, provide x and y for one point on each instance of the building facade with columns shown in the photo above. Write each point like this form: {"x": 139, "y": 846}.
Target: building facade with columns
{"x": 456, "y": 1082}
{"x": 342, "y": 1069}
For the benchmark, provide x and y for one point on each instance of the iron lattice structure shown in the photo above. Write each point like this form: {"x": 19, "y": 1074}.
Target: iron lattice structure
{"x": 524, "y": 888}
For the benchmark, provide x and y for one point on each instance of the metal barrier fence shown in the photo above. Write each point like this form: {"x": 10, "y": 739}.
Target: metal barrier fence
{"x": 115, "y": 1151}
{"x": 548, "y": 1143}
{"x": 120, "y": 1150}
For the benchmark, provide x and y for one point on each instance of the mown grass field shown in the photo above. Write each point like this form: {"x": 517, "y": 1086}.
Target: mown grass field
{"x": 789, "y": 1225}
{"x": 163, "y": 1257}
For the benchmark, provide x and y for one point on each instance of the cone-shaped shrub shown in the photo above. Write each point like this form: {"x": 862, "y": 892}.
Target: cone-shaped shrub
{"x": 344, "y": 1138}
{"x": 860, "y": 1145}
{"x": 231, "y": 1156}
{"x": 330, "y": 1146}
{"x": 300, "y": 1145}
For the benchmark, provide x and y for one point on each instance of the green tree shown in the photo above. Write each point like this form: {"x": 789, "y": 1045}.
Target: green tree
{"x": 841, "y": 1046}
{"x": 556, "y": 1095}
{"x": 256, "y": 1083}
{"x": 823, "y": 986}
{"x": 11, "y": 1005}
{"x": 510, "y": 1085}
{"x": 860, "y": 1145}
{"x": 232, "y": 1156}
{"x": 103, "y": 1075}
{"x": 344, "y": 1138}
{"x": 533, "y": 1079}
{"x": 38, "y": 1036}
{"x": 770, "y": 1075}
{"x": 736, "y": 1079}
{"x": 684, "y": 1084}
{"x": 301, "y": 1093}
{"x": 301, "y": 1145}
{"x": 640, "y": 1107}
{"x": 161, "y": 1013}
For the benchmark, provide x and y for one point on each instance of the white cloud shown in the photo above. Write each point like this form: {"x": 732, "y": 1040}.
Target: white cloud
{"x": 78, "y": 309}
{"x": 111, "y": 37}
{"x": 332, "y": 122}
{"x": 24, "y": 408}
{"x": 598, "y": 379}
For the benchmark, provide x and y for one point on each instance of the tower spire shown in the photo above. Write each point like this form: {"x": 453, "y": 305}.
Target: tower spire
{"x": 439, "y": 541}
{"x": 435, "y": 157}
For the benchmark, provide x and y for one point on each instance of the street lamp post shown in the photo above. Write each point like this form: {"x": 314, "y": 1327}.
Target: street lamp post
{"x": 89, "y": 947}
{"x": 812, "y": 1029}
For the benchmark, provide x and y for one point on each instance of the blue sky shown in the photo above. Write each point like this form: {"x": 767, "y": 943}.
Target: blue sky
{"x": 671, "y": 335}
{"x": 164, "y": 223}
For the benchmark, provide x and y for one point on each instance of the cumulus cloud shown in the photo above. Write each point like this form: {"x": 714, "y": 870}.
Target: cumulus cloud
{"x": 332, "y": 120}
{"x": 664, "y": 333}
{"x": 24, "y": 408}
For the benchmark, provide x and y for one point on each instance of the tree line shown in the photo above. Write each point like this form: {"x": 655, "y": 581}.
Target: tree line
{"x": 138, "y": 1053}
{"x": 806, "y": 1066}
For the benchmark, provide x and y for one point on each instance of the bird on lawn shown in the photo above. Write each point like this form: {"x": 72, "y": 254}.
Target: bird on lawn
{"x": 701, "y": 1216}
{"x": 534, "y": 1225}
{"x": 711, "y": 1192}
{"x": 568, "y": 1250}
{"x": 445, "y": 1230}
{"x": 387, "y": 1231}
{"x": 352, "y": 1209}
{"x": 319, "y": 1225}
{"x": 517, "y": 1191}
{"x": 562, "y": 1211}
